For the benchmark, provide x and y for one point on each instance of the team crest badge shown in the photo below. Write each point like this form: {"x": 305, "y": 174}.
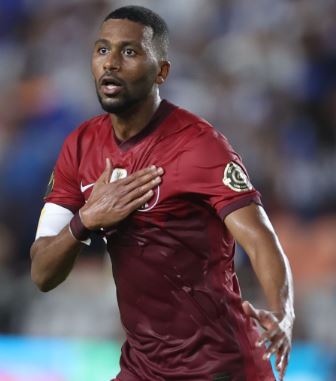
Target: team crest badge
{"x": 235, "y": 178}
{"x": 118, "y": 173}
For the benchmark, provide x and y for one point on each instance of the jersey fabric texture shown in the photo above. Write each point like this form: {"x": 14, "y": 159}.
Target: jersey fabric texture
{"x": 172, "y": 259}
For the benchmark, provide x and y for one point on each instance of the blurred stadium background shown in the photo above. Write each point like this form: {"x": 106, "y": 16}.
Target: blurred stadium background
{"x": 263, "y": 72}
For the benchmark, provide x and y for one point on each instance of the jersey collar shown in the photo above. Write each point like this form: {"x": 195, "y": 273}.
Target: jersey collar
{"x": 164, "y": 109}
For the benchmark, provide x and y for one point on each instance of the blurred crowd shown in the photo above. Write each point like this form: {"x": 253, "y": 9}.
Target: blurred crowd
{"x": 263, "y": 72}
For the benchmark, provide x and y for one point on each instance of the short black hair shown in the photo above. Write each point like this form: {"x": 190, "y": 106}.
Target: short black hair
{"x": 148, "y": 18}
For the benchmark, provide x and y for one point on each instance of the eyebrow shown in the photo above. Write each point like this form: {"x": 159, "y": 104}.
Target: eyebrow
{"x": 123, "y": 43}
{"x": 101, "y": 41}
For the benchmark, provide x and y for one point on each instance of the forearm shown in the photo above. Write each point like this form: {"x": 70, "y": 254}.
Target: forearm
{"x": 251, "y": 227}
{"x": 273, "y": 272}
{"x": 52, "y": 259}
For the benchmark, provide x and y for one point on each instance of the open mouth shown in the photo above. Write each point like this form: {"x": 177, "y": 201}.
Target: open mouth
{"x": 110, "y": 86}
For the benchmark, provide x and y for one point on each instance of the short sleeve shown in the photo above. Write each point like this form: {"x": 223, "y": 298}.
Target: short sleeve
{"x": 211, "y": 169}
{"x": 63, "y": 188}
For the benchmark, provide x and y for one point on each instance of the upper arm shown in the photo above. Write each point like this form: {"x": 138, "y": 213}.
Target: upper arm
{"x": 53, "y": 218}
{"x": 63, "y": 197}
{"x": 211, "y": 169}
{"x": 251, "y": 228}
{"x": 64, "y": 187}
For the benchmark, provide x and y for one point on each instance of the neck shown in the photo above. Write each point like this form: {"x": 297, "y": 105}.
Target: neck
{"x": 130, "y": 124}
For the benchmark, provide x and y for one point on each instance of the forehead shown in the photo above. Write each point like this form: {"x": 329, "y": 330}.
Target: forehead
{"x": 125, "y": 30}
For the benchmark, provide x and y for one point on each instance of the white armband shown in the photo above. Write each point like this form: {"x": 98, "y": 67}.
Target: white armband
{"x": 53, "y": 218}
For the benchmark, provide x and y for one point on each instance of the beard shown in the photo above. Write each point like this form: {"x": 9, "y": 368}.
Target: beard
{"x": 117, "y": 105}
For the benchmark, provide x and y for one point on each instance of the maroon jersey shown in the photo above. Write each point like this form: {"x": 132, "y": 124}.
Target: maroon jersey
{"x": 172, "y": 259}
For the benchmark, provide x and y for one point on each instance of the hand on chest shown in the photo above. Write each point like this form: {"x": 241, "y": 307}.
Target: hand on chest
{"x": 122, "y": 169}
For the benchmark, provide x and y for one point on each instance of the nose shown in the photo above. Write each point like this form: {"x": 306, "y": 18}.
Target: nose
{"x": 112, "y": 62}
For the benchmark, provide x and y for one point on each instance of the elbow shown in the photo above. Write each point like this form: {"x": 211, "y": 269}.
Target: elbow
{"x": 39, "y": 277}
{"x": 44, "y": 287}
{"x": 43, "y": 283}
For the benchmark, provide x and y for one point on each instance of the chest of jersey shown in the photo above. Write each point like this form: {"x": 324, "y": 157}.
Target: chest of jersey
{"x": 153, "y": 150}
{"x": 172, "y": 209}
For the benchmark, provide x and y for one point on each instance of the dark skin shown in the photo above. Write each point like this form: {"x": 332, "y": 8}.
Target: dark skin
{"x": 126, "y": 53}
{"x": 251, "y": 227}
{"x": 127, "y": 68}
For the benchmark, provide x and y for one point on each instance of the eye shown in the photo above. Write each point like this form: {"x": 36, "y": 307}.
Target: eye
{"x": 102, "y": 51}
{"x": 129, "y": 52}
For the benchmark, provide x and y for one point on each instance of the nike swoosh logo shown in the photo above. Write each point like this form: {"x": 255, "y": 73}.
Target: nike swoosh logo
{"x": 85, "y": 187}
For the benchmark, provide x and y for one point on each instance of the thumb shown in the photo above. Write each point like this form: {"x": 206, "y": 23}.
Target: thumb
{"x": 265, "y": 318}
{"x": 250, "y": 310}
{"x": 106, "y": 174}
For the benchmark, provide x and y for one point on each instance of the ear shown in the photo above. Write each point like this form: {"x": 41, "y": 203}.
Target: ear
{"x": 163, "y": 73}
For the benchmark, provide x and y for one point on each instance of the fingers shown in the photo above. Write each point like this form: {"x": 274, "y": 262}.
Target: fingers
{"x": 277, "y": 334}
{"x": 279, "y": 346}
{"x": 267, "y": 336}
{"x": 265, "y": 318}
{"x": 137, "y": 185}
{"x": 110, "y": 203}
{"x": 106, "y": 174}
{"x": 282, "y": 361}
{"x": 139, "y": 189}
{"x": 142, "y": 188}
{"x": 138, "y": 202}
{"x": 276, "y": 341}
{"x": 250, "y": 310}
{"x": 141, "y": 177}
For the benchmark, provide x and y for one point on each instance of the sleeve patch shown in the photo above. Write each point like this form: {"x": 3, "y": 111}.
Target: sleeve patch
{"x": 235, "y": 178}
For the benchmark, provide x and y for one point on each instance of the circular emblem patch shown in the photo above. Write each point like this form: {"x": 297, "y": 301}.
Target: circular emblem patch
{"x": 235, "y": 178}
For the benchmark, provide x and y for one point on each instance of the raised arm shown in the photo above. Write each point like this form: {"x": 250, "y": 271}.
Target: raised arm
{"x": 252, "y": 229}
{"x": 53, "y": 257}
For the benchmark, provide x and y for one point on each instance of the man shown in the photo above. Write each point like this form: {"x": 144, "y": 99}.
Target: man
{"x": 169, "y": 196}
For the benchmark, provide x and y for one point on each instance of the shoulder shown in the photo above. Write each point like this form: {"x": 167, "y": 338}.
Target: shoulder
{"x": 195, "y": 124}
{"x": 184, "y": 118}
{"x": 200, "y": 136}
